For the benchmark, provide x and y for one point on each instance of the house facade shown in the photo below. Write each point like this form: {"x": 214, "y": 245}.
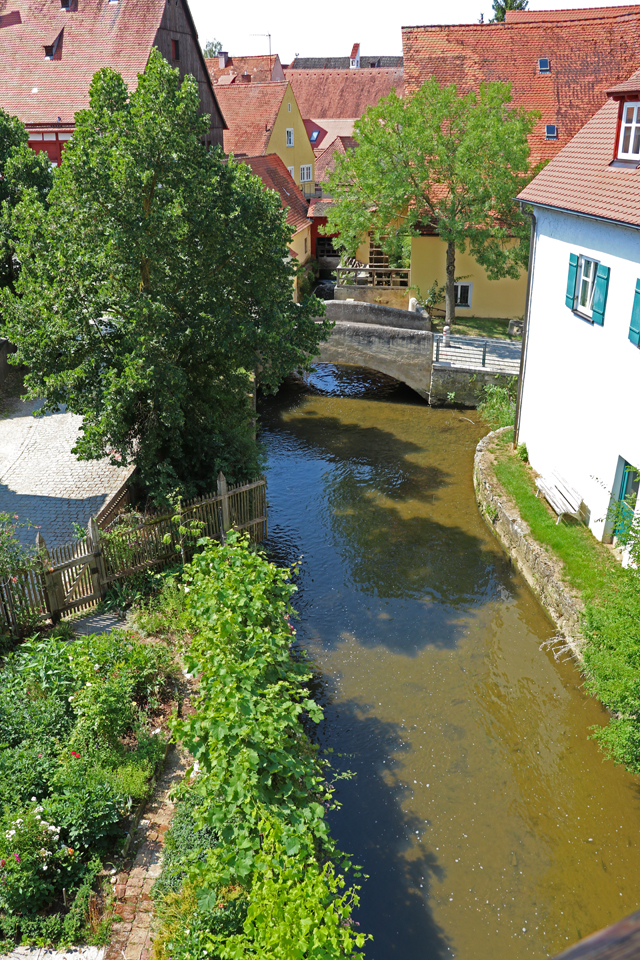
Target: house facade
{"x": 581, "y": 354}
{"x": 264, "y": 118}
{"x": 559, "y": 62}
{"x": 51, "y": 49}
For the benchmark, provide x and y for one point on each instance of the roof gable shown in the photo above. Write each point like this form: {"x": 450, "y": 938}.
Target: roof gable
{"x": 587, "y": 56}
{"x": 326, "y": 161}
{"x": 250, "y": 110}
{"x": 261, "y": 69}
{"x": 275, "y": 176}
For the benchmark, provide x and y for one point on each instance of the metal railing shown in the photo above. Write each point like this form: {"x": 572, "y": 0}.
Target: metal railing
{"x": 373, "y": 276}
{"x": 501, "y": 356}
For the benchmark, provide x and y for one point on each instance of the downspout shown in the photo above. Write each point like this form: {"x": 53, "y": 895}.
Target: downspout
{"x": 525, "y": 327}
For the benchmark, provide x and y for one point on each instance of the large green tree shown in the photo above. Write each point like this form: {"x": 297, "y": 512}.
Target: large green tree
{"x": 154, "y": 284}
{"x": 500, "y": 8}
{"x": 437, "y": 160}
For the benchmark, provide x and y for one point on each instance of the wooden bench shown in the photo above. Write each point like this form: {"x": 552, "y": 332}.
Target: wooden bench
{"x": 563, "y": 499}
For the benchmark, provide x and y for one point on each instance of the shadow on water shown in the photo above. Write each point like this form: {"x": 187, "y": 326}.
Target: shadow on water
{"x": 396, "y": 910}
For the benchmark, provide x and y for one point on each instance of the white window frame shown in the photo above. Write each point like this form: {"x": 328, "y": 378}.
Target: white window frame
{"x": 306, "y": 173}
{"x": 289, "y": 136}
{"x": 463, "y": 306}
{"x": 292, "y": 172}
{"x": 585, "y": 284}
{"x": 632, "y": 129}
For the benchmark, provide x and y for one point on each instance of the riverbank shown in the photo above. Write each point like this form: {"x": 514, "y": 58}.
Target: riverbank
{"x": 593, "y": 600}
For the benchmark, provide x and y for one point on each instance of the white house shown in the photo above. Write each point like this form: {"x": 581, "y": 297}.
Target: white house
{"x": 578, "y": 408}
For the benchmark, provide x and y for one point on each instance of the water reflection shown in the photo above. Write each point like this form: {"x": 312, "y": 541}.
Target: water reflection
{"x": 487, "y": 820}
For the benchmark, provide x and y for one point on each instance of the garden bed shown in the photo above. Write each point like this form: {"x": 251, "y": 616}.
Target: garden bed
{"x": 81, "y": 736}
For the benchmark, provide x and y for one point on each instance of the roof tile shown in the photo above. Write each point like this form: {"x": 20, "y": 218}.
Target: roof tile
{"x": 342, "y": 93}
{"x": 250, "y": 110}
{"x": 275, "y": 176}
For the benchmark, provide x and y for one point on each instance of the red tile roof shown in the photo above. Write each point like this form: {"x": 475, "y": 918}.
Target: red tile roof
{"x": 328, "y": 130}
{"x": 342, "y": 93}
{"x": 260, "y": 69}
{"x": 582, "y": 13}
{"x": 320, "y": 208}
{"x": 250, "y": 110}
{"x": 582, "y": 179}
{"x": 587, "y": 56}
{"x": 96, "y": 34}
{"x": 354, "y": 51}
{"x": 326, "y": 161}
{"x": 275, "y": 176}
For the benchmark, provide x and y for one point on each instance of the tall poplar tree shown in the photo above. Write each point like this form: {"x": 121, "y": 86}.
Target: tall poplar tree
{"x": 152, "y": 287}
{"x": 438, "y": 160}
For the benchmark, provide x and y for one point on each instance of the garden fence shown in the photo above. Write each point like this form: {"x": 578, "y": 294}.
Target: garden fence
{"x": 77, "y": 575}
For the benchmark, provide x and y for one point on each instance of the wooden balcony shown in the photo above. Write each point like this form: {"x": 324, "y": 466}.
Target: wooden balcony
{"x": 365, "y": 276}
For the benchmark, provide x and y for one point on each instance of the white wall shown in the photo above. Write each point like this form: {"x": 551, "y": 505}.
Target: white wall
{"x": 581, "y": 394}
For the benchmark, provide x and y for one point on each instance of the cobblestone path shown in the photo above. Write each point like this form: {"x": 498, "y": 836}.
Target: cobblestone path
{"x": 41, "y": 480}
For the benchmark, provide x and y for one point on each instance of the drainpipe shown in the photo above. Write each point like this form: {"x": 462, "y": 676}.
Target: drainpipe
{"x": 525, "y": 326}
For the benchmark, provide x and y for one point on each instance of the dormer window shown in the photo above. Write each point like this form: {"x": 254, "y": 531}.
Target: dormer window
{"x": 629, "y": 146}
{"x": 51, "y": 50}
{"x": 544, "y": 65}
{"x": 551, "y": 131}
{"x": 314, "y": 135}
{"x": 65, "y": 4}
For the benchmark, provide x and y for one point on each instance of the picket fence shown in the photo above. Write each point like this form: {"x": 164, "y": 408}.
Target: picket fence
{"x": 77, "y": 575}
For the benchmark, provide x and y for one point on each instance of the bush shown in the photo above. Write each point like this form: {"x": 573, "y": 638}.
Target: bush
{"x": 34, "y": 863}
{"x": 261, "y": 789}
{"x": 498, "y": 404}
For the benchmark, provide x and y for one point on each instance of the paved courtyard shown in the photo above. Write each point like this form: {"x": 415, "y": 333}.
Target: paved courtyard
{"x": 41, "y": 480}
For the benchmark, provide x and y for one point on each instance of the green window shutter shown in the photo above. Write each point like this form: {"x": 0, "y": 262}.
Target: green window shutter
{"x": 571, "y": 280}
{"x": 634, "y": 329}
{"x": 600, "y": 294}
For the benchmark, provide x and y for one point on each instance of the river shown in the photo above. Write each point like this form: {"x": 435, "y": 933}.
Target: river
{"x": 487, "y": 820}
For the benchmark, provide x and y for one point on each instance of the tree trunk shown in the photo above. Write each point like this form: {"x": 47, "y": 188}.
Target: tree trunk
{"x": 450, "y": 295}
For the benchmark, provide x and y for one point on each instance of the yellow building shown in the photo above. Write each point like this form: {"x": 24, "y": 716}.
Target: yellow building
{"x": 263, "y": 118}
{"x": 476, "y": 295}
{"x": 275, "y": 176}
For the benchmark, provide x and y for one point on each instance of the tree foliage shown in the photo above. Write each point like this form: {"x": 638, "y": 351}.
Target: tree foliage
{"x": 500, "y": 8}
{"x": 438, "y": 160}
{"x": 212, "y": 48}
{"x": 155, "y": 283}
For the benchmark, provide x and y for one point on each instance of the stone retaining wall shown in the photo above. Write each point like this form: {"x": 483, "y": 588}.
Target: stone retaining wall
{"x": 465, "y": 382}
{"x": 388, "y": 296}
{"x": 541, "y": 570}
{"x": 342, "y": 311}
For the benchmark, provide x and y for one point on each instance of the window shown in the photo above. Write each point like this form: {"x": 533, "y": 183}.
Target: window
{"x": 634, "y": 329}
{"x": 627, "y": 498}
{"x": 463, "y": 293}
{"x": 51, "y": 50}
{"x": 543, "y": 65}
{"x": 305, "y": 173}
{"x": 629, "y": 146}
{"x": 587, "y": 287}
{"x": 289, "y": 137}
{"x": 65, "y": 4}
{"x": 175, "y": 50}
{"x": 289, "y": 105}
{"x": 314, "y": 135}
{"x": 551, "y": 132}
{"x": 305, "y": 244}
{"x": 292, "y": 172}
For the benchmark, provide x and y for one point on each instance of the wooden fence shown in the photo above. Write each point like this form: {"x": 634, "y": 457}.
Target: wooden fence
{"x": 77, "y": 575}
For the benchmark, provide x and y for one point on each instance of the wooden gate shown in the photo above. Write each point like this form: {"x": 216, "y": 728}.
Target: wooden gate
{"x": 74, "y": 574}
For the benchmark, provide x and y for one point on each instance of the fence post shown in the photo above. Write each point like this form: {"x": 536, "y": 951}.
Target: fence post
{"x": 484, "y": 353}
{"x": 98, "y": 568}
{"x": 50, "y": 580}
{"x": 222, "y": 492}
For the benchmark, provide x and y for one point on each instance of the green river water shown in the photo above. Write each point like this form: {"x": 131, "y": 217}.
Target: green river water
{"x": 488, "y": 822}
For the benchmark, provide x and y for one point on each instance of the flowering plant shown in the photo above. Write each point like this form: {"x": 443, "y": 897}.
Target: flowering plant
{"x": 34, "y": 864}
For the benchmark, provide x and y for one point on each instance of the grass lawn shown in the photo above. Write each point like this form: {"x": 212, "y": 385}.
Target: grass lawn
{"x": 476, "y": 327}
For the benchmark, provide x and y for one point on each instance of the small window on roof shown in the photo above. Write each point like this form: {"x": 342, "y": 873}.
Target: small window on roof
{"x": 54, "y": 48}
{"x": 544, "y": 65}
{"x": 551, "y": 132}
{"x": 314, "y": 135}
{"x": 629, "y": 146}
{"x": 175, "y": 50}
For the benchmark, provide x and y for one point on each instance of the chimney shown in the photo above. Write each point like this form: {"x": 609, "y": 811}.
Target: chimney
{"x": 245, "y": 77}
{"x": 223, "y": 56}
{"x": 354, "y": 59}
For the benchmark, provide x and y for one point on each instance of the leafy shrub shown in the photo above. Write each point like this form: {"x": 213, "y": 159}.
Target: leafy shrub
{"x": 34, "y": 863}
{"x": 523, "y": 453}
{"x": 86, "y": 808}
{"x": 261, "y": 789}
{"x": 498, "y": 404}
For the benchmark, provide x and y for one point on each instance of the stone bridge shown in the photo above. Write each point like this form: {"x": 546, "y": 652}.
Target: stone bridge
{"x": 399, "y": 344}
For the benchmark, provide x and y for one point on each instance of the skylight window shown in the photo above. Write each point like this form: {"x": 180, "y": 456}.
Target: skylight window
{"x": 551, "y": 132}
{"x": 65, "y": 4}
{"x": 314, "y": 135}
{"x": 629, "y": 146}
{"x": 544, "y": 66}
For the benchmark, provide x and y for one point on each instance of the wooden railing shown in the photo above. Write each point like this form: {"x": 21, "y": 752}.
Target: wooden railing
{"x": 373, "y": 276}
{"x": 76, "y": 575}
{"x": 621, "y": 941}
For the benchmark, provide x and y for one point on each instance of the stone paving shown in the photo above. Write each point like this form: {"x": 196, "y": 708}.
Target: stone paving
{"x": 71, "y": 953}
{"x": 131, "y": 931}
{"x": 42, "y": 481}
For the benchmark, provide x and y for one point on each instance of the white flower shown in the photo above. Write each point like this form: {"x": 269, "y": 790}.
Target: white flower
{"x": 45, "y": 867}
{"x": 52, "y": 829}
{"x": 10, "y": 834}
{"x": 33, "y": 800}
{"x": 39, "y": 810}
{"x": 18, "y": 822}
{"x": 38, "y": 817}
{"x": 44, "y": 825}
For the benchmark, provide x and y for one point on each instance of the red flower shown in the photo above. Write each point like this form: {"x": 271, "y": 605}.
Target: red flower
{"x": 74, "y": 754}
{"x": 16, "y": 858}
